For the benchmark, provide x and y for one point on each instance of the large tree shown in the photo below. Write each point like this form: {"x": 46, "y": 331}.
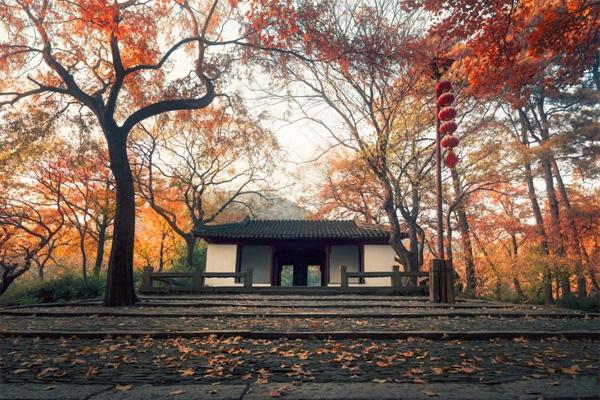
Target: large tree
{"x": 120, "y": 62}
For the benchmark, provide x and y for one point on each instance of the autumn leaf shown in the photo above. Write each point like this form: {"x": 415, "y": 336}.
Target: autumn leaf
{"x": 429, "y": 393}
{"x": 275, "y": 393}
{"x": 91, "y": 373}
{"x": 45, "y": 372}
{"x": 572, "y": 370}
{"x": 186, "y": 372}
{"x": 20, "y": 371}
{"x": 123, "y": 388}
{"x": 380, "y": 380}
{"x": 176, "y": 392}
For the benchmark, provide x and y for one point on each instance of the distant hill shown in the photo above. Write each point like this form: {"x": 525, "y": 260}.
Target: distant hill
{"x": 273, "y": 207}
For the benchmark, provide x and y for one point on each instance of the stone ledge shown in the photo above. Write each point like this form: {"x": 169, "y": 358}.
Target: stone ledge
{"x": 375, "y": 335}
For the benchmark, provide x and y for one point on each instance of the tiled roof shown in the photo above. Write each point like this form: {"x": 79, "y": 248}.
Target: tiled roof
{"x": 294, "y": 229}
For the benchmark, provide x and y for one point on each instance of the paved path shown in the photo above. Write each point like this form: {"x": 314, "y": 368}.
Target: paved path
{"x": 197, "y": 366}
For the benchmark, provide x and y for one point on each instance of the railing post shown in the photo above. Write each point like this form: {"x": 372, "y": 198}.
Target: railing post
{"x": 434, "y": 280}
{"x": 147, "y": 279}
{"x": 344, "y": 276}
{"x": 396, "y": 281}
{"x": 449, "y": 282}
{"x": 197, "y": 280}
{"x": 248, "y": 278}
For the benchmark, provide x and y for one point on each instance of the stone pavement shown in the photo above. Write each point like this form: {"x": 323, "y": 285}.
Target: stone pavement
{"x": 163, "y": 348}
{"x": 523, "y": 390}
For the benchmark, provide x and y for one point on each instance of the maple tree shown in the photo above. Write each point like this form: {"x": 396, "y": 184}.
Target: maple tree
{"x": 365, "y": 68}
{"x": 113, "y": 59}
{"x": 192, "y": 172}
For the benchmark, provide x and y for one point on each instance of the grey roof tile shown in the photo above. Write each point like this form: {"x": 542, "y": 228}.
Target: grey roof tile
{"x": 294, "y": 229}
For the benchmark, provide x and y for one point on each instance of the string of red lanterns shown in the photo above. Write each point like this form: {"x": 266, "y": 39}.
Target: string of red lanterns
{"x": 446, "y": 117}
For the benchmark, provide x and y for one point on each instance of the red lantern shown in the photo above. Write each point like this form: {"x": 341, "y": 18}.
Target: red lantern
{"x": 445, "y": 99}
{"x": 449, "y": 141}
{"x": 446, "y": 114}
{"x": 451, "y": 159}
{"x": 448, "y": 127}
{"x": 442, "y": 87}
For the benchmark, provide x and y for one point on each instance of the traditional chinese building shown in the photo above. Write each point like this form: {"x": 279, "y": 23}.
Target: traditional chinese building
{"x": 297, "y": 252}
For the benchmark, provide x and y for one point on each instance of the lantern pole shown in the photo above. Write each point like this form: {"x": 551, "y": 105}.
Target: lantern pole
{"x": 439, "y": 290}
{"x": 438, "y": 178}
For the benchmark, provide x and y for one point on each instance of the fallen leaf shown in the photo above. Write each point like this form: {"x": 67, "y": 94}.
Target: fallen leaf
{"x": 45, "y": 372}
{"x": 430, "y": 393}
{"x": 186, "y": 372}
{"x": 123, "y": 388}
{"x": 437, "y": 371}
{"x": 572, "y": 370}
{"x": 380, "y": 380}
{"x": 176, "y": 392}
{"x": 49, "y": 387}
{"x": 91, "y": 373}
{"x": 78, "y": 361}
{"x": 275, "y": 393}
{"x": 20, "y": 371}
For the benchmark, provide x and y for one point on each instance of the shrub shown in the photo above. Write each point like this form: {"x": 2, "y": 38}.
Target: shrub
{"x": 590, "y": 303}
{"x": 64, "y": 288}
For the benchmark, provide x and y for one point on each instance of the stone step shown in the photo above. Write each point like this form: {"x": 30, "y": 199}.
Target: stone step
{"x": 310, "y": 335}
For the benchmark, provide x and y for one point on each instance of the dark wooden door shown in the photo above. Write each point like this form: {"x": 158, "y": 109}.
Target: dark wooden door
{"x": 300, "y": 274}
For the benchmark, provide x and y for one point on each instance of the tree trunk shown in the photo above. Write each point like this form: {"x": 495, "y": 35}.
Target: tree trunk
{"x": 83, "y": 257}
{"x": 119, "y": 281}
{"x": 515, "y": 254}
{"x": 409, "y": 258}
{"x": 575, "y": 244}
{"x": 537, "y": 212}
{"x": 465, "y": 236}
{"x": 161, "y": 252}
{"x": 190, "y": 242}
{"x": 100, "y": 248}
{"x": 40, "y": 271}
{"x": 557, "y": 238}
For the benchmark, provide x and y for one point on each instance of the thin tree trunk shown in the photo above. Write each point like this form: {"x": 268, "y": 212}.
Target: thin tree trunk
{"x": 514, "y": 260}
{"x": 161, "y": 251}
{"x": 465, "y": 236}
{"x": 100, "y": 248}
{"x": 557, "y": 238}
{"x": 575, "y": 244}
{"x": 190, "y": 241}
{"x": 83, "y": 256}
{"x": 537, "y": 212}
{"x": 119, "y": 282}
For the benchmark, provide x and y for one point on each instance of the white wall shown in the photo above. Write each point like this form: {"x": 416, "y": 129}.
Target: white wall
{"x": 378, "y": 258}
{"x": 220, "y": 258}
{"x": 259, "y": 259}
{"x": 343, "y": 255}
